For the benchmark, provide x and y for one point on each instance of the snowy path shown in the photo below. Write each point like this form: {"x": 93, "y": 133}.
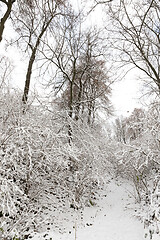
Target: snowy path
{"x": 108, "y": 221}
{"x": 114, "y": 222}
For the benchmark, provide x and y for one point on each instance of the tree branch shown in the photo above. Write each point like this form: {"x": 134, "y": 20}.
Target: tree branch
{"x": 99, "y": 3}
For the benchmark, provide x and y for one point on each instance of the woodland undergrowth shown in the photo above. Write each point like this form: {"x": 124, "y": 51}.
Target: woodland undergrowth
{"x": 38, "y": 162}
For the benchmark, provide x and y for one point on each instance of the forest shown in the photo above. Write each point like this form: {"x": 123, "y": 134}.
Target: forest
{"x": 60, "y": 139}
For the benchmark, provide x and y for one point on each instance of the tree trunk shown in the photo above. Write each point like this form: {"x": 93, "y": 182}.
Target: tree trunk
{"x": 78, "y": 104}
{"x": 31, "y": 61}
{"x": 70, "y": 113}
{"x": 71, "y": 101}
{"x": 5, "y": 17}
{"x": 28, "y": 76}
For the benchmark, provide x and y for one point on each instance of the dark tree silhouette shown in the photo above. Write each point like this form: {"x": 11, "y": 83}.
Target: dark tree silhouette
{"x": 6, "y": 15}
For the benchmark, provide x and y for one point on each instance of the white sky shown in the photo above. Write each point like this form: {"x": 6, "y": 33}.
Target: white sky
{"x": 127, "y": 93}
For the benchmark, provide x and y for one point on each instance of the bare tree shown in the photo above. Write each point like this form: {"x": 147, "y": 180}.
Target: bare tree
{"x": 135, "y": 34}
{"x": 81, "y": 76}
{"x": 99, "y": 2}
{"x": 130, "y": 128}
{"x": 8, "y": 4}
{"x": 32, "y": 20}
{"x": 6, "y": 69}
{"x": 120, "y": 130}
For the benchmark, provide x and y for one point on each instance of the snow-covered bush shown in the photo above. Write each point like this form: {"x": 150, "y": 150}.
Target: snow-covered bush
{"x": 38, "y": 164}
{"x": 139, "y": 160}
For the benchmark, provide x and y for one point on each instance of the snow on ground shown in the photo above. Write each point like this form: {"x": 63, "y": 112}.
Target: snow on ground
{"x": 110, "y": 219}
